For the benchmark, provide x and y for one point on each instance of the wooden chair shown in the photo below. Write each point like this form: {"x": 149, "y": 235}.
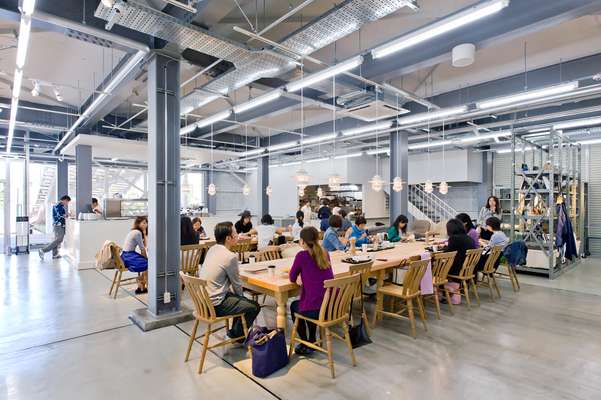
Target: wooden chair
{"x": 242, "y": 247}
{"x": 269, "y": 253}
{"x": 441, "y": 264}
{"x": 121, "y": 268}
{"x": 363, "y": 270}
{"x": 488, "y": 279}
{"x": 334, "y": 311}
{"x": 205, "y": 312}
{"x": 407, "y": 292}
{"x": 466, "y": 276}
{"x": 512, "y": 275}
{"x": 190, "y": 256}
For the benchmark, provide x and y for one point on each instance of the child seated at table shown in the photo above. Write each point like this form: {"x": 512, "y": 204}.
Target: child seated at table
{"x": 358, "y": 232}
{"x": 313, "y": 266}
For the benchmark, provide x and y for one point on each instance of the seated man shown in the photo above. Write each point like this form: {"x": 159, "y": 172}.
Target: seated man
{"x": 220, "y": 269}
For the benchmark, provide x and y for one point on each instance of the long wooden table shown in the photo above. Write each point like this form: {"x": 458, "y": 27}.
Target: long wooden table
{"x": 280, "y": 287}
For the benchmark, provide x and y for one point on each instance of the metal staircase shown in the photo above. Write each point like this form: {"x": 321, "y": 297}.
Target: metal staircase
{"x": 430, "y": 205}
{"x": 46, "y": 183}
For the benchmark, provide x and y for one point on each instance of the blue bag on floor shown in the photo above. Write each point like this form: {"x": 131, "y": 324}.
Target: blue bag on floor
{"x": 269, "y": 351}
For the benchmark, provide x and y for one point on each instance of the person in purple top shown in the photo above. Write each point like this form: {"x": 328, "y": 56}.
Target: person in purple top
{"x": 470, "y": 229}
{"x": 313, "y": 266}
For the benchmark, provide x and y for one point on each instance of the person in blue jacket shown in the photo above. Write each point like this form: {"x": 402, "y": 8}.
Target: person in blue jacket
{"x": 359, "y": 232}
{"x": 331, "y": 241}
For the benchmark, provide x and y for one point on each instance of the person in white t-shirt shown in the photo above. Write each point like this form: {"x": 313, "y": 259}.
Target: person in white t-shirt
{"x": 306, "y": 209}
{"x": 298, "y": 225}
{"x": 266, "y": 231}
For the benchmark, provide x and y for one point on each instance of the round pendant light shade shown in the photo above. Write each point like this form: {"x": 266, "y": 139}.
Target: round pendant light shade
{"x": 212, "y": 189}
{"x": 377, "y": 183}
{"x": 334, "y": 182}
{"x": 246, "y": 189}
{"x": 443, "y": 188}
{"x": 428, "y": 186}
{"x": 268, "y": 190}
{"x": 397, "y": 184}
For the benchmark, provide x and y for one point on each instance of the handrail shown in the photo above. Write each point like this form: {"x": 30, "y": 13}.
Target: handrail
{"x": 432, "y": 206}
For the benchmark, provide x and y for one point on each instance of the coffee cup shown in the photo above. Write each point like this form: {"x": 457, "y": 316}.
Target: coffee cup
{"x": 271, "y": 270}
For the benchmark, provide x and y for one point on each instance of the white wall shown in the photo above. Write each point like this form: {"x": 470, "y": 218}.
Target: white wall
{"x": 458, "y": 166}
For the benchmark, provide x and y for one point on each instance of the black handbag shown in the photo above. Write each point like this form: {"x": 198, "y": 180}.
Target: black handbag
{"x": 358, "y": 333}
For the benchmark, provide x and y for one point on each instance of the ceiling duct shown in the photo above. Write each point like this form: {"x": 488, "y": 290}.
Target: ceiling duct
{"x": 250, "y": 65}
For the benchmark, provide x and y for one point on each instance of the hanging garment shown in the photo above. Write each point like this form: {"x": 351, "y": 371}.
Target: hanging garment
{"x": 516, "y": 253}
{"x": 565, "y": 233}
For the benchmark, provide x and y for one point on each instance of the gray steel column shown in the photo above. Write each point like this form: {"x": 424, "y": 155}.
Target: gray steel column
{"x": 62, "y": 178}
{"x": 211, "y": 201}
{"x": 25, "y": 211}
{"x": 7, "y": 206}
{"x": 262, "y": 182}
{"x": 83, "y": 178}
{"x": 163, "y": 185}
{"x": 399, "y": 166}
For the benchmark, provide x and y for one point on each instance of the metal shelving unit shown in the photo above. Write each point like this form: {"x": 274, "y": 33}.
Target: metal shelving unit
{"x": 555, "y": 175}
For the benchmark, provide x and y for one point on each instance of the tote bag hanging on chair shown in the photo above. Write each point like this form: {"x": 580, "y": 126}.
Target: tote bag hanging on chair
{"x": 269, "y": 352}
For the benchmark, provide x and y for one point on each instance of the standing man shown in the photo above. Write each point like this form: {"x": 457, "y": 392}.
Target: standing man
{"x": 306, "y": 209}
{"x": 220, "y": 269}
{"x": 59, "y": 213}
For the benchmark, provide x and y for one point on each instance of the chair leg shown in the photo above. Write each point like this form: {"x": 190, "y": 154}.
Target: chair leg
{"x": 191, "y": 341}
{"x": 466, "y": 293}
{"x": 411, "y": 317}
{"x": 448, "y": 296}
{"x": 515, "y": 277}
{"x": 347, "y": 339}
{"x": 437, "y": 302}
{"x": 494, "y": 281}
{"x": 205, "y": 345}
{"x": 489, "y": 282}
{"x": 114, "y": 281}
{"x": 245, "y": 331}
{"x": 379, "y": 300}
{"x": 118, "y": 284}
{"x": 422, "y": 312}
{"x": 475, "y": 290}
{"x": 330, "y": 352}
{"x": 293, "y": 337}
{"x": 364, "y": 317}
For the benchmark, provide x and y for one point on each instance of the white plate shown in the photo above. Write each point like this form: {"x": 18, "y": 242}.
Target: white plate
{"x": 253, "y": 268}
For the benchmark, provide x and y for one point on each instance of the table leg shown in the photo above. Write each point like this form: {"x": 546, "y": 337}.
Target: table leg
{"x": 281, "y": 299}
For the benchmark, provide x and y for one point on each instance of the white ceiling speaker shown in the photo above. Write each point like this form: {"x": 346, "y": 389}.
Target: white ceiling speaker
{"x": 464, "y": 55}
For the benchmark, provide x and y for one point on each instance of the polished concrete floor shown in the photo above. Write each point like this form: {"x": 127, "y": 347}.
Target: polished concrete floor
{"x": 62, "y": 337}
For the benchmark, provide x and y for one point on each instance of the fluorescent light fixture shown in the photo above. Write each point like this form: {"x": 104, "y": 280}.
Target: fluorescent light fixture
{"x": 349, "y": 155}
{"x": 24, "y": 32}
{"x": 526, "y": 96}
{"x": 257, "y": 101}
{"x": 429, "y": 116}
{"x": 590, "y": 141}
{"x": 289, "y": 164}
{"x": 188, "y": 110}
{"x": 17, "y": 82}
{"x": 123, "y": 72}
{"x": 517, "y": 149}
{"x": 314, "y": 160}
{"x": 35, "y": 91}
{"x": 318, "y": 139}
{"x": 274, "y": 165}
{"x": 378, "y": 151}
{"x": 253, "y": 152}
{"x": 28, "y": 6}
{"x": 536, "y": 135}
{"x": 324, "y": 74}
{"x": 443, "y": 26}
{"x": 282, "y": 146}
{"x": 187, "y": 129}
{"x": 367, "y": 128}
{"x": 214, "y": 118}
{"x": 427, "y": 145}
{"x": 578, "y": 123}
{"x": 486, "y": 136}
{"x": 538, "y": 130}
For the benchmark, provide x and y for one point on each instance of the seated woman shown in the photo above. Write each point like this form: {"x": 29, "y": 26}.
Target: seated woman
{"x": 266, "y": 231}
{"x": 331, "y": 241}
{"x": 244, "y": 226}
{"x": 197, "y": 225}
{"x": 497, "y": 238}
{"x": 313, "y": 266}
{"x": 298, "y": 225}
{"x": 187, "y": 233}
{"x": 134, "y": 261}
{"x": 398, "y": 230}
{"x": 358, "y": 231}
{"x": 458, "y": 241}
{"x": 469, "y": 227}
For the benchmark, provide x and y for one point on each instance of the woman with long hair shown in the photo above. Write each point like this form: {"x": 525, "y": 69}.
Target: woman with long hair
{"x": 470, "y": 229}
{"x": 244, "y": 225}
{"x": 137, "y": 261}
{"x": 398, "y": 229}
{"x": 313, "y": 266}
{"x": 492, "y": 208}
{"x": 187, "y": 233}
{"x": 298, "y": 225}
{"x": 458, "y": 241}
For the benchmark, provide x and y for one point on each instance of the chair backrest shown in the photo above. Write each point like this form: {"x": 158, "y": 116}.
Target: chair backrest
{"x": 190, "y": 256}
{"x": 493, "y": 257}
{"x": 337, "y": 299}
{"x": 413, "y": 277}
{"x": 421, "y": 226}
{"x": 441, "y": 264}
{"x": 197, "y": 288}
{"x": 243, "y": 246}
{"x": 472, "y": 256}
{"x": 116, "y": 255}
{"x": 269, "y": 253}
{"x": 363, "y": 270}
